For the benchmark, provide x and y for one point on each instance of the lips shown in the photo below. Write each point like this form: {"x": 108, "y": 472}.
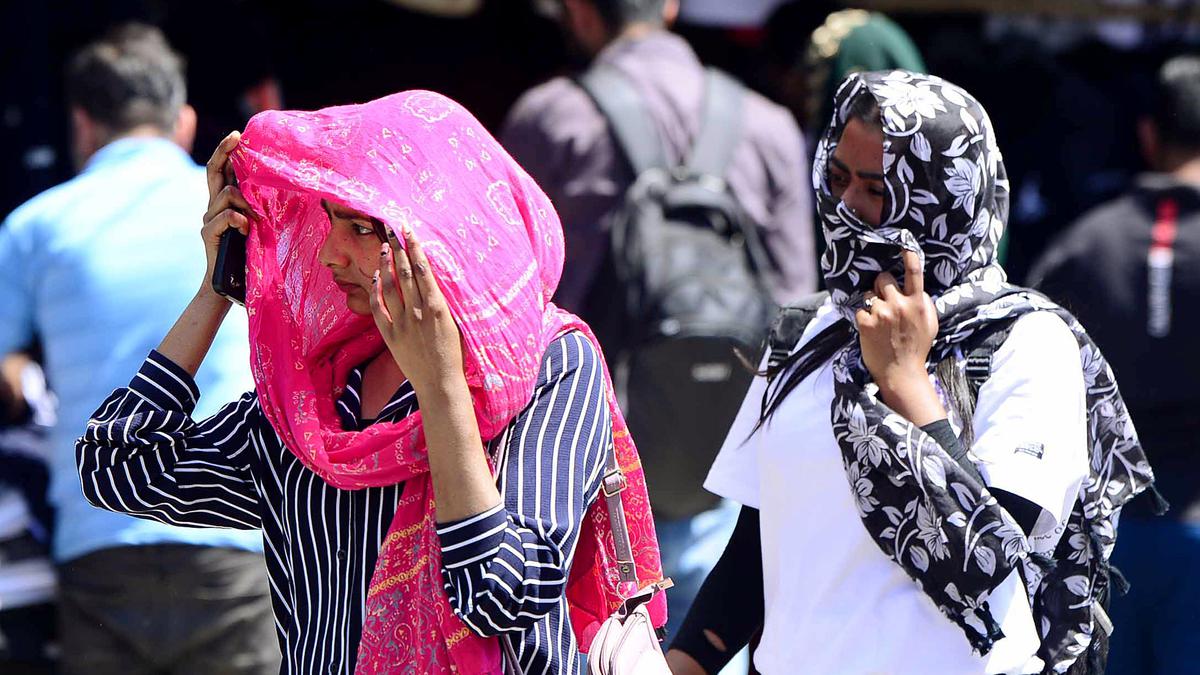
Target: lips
{"x": 346, "y": 286}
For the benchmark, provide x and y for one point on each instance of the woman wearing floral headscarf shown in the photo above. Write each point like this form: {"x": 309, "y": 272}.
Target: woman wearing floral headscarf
{"x": 428, "y": 436}
{"x": 904, "y": 524}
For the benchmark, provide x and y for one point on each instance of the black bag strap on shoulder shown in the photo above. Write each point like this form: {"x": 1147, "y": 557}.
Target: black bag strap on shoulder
{"x": 631, "y": 123}
{"x": 789, "y": 327}
{"x": 720, "y": 126}
{"x": 979, "y": 359}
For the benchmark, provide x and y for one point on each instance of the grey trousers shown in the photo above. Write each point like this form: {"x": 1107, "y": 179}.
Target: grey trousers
{"x": 166, "y": 609}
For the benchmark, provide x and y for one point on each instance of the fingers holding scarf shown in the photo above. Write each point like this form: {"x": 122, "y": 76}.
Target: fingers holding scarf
{"x": 414, "y": 318}
{"x": 426, "y": 285}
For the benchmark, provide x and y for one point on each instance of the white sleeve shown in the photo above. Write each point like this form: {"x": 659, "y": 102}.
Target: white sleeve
{"x": 1031, "y": 416}
{"x": 734, "y": 473}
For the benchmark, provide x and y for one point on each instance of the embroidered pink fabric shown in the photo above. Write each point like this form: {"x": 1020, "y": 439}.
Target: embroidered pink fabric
{"x": 495, "y": 242}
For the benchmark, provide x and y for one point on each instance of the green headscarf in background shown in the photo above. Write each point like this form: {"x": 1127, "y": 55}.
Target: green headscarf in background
{"x": 851, "y": 41}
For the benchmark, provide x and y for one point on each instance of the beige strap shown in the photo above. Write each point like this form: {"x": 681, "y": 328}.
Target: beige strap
{"x": 612, "y": 486}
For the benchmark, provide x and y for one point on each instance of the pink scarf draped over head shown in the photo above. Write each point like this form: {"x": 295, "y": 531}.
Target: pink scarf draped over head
{"x": 415, "y": 159}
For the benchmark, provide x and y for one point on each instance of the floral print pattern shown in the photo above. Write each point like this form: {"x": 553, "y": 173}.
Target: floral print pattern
{"x": 947, "y": 199}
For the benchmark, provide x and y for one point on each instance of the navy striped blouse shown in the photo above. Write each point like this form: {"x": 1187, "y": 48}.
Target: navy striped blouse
{"x": 505, "y": 570}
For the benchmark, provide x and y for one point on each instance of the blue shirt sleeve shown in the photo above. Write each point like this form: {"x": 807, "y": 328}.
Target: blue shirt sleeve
{"x": 16, "y": 284}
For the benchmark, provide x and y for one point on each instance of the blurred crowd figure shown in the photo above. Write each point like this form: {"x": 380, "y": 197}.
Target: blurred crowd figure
{"x": 1104, "y": 162}
{"x": 27, "y": 583}
{"x": 1130, "y": 270}
{"x": 91, "y": 270}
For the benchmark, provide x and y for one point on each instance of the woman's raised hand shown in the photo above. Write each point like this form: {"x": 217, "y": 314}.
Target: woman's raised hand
{"x": 227, "y": 208}
{"x": 897, "y": 328}
{"x": 414, "y": 319}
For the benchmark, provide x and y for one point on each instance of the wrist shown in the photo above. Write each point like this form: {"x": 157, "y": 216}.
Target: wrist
{"x": 902, "y": 379}
{"x": 442, "y": 390}
{"x": 912, "y": 395}
{"x": 208, "y": 299}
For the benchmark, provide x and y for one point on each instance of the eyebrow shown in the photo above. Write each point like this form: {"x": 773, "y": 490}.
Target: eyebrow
{"x": 335, "y": 211}
{"x": 861, "y": 174}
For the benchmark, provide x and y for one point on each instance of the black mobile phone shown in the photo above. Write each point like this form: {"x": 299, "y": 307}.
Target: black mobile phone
{"x": 229, "y": 270}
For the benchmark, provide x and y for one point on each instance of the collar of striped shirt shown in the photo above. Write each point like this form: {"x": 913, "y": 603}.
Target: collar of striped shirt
{"x": 349, "y": 405}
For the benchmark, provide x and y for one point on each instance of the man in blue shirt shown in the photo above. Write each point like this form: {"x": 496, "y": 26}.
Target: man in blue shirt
{"x": 97, "y": 269}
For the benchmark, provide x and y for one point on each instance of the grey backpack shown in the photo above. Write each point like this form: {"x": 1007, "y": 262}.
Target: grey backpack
{"x": 681, "y": 292}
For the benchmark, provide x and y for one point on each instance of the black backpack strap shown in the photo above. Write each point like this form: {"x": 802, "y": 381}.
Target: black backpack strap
{"x": 979, "y": 360}
{"x": 789, "y": 327}
{"x": 630, "y": 122}
{"x": 720, "y": 126}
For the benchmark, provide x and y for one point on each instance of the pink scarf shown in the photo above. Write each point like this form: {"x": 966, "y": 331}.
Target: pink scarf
{"x": 417, "y": 159}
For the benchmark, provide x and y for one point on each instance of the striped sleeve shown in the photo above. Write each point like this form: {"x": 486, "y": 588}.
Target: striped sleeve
{"x": 506, "y": 568}
{"x": 142, "y": 454}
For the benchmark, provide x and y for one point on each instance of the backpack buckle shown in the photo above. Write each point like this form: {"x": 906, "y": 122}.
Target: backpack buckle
{"x": 613, "y": 483}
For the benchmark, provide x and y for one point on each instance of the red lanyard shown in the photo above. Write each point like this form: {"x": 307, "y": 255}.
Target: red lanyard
{"x": 1160, "y": 261}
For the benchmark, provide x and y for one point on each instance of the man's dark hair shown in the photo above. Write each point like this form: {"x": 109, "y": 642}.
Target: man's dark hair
{"x": 1177, "y": 103}
{"x": 620, "y": 13}
{"x": 129, "y": 78}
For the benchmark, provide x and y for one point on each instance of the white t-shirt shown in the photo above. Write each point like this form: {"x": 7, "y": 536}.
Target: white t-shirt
{"x": 834, "y": 602}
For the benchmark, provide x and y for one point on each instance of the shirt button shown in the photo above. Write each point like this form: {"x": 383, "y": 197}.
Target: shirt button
{"x": 341, "y": 554}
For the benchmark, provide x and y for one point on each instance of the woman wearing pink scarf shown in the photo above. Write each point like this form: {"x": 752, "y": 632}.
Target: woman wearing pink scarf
{"x": 428, "y": 436}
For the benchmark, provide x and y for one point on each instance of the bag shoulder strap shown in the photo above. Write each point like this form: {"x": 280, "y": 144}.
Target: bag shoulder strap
{"x": 979, "y": 359}
{"x": 789, "y": 327}
{"x": 631, "y": 124}
{"x": 612, "y": 486}
{"x": 720, "y": 126}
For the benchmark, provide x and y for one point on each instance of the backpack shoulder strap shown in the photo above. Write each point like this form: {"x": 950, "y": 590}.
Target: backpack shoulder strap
{"x": 720, "y": 126}
{"x": 979, "y": 359}
{"x": 789, "y": 327}
{"x": 631, "y": 124}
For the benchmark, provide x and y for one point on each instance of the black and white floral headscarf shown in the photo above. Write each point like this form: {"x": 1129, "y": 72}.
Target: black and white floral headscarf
{"x": 947, "y": 198}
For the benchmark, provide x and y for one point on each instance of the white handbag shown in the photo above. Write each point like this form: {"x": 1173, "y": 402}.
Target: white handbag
{"x": 627, "y": 643}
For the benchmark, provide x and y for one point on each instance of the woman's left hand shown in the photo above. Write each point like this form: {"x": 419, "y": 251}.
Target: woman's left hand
{"x": 414, "y": 318}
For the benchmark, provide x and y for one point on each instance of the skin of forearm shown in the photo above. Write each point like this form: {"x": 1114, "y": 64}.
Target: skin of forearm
{"x": 462, "y": 482}
{"x": 913, "y": 397}
{"x": 188, "y": 341}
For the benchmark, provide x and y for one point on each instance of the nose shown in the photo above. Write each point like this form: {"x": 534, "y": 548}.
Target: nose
{"x": 856, "y": 199}
{"x": 331, "y": 254}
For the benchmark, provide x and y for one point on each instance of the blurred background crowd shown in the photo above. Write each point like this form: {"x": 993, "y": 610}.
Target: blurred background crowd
{"x": 1069, "y": 84}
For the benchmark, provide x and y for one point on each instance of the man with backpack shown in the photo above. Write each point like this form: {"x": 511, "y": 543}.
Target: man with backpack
{"x": 687, "y": 217}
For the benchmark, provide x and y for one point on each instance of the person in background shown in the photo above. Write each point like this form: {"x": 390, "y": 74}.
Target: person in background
{"x": 27, "y": 616}
{"x": 95, "y": 269}
{"x": 559, "y": 135}
{"x": 1130, "y": 270}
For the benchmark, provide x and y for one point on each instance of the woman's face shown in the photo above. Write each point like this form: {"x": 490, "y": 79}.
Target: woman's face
{"x": 351, "y": 252}
{"x": 856, "y": 171}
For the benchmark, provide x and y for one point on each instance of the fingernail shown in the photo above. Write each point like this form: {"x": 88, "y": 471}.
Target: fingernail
{"x": 383, "y": 251}
{"x": 375, "y": 278}
{"x": 407, "y": 232}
